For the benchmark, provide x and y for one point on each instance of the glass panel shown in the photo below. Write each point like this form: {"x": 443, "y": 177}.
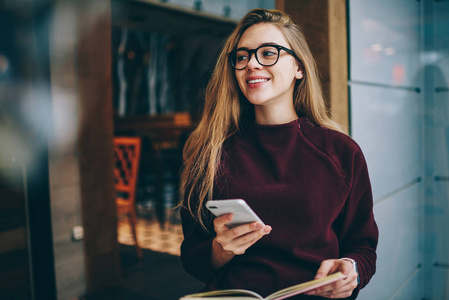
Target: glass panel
{"x": 439, "y": 212}
{"x": 441, "y": 41}
{"x": 386, "y": 124}
{"x": 440, "y": 282}
{"x": 399, "y": 219}
{"x": 385, "y": 39}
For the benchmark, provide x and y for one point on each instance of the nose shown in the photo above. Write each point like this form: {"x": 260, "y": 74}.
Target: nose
{"x": 253, "y": 63}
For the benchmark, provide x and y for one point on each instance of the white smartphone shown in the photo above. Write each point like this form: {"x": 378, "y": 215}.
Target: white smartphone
{"x": 242, "y": 213}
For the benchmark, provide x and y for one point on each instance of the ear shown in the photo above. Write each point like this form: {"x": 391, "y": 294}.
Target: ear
{"x": 299, "y": 72}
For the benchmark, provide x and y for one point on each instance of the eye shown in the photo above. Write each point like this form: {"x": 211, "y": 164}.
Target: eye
{"x": 269, "y": 52}
{"x": 241, "y": 56}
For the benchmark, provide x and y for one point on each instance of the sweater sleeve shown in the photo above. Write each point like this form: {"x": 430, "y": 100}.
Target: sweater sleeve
{"x": 196, "y": 249}
{"x": 359, "y": 232}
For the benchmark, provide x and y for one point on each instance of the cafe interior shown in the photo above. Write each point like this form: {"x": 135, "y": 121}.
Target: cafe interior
{"x": 98, "y": 97}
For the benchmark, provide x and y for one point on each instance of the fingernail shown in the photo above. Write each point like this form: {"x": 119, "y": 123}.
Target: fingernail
{"x": 267, "y": 229}
{"x": 258, "y": 225}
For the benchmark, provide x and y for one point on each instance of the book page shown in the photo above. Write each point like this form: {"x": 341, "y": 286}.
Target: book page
{"x": 224, "y": 295}
{"x": 279, "y": 295}
{"x": 221, "y": 298}
{"x": 305, "y": 287}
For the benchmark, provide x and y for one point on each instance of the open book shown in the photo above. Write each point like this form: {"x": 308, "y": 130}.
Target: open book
{"x": 282, "y": 294}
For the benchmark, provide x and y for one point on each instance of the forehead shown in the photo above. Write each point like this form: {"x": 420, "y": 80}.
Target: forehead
{"x": 261, "y": 33}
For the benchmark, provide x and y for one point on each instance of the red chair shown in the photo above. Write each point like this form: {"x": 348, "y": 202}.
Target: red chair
{"x": 126, "y": 168}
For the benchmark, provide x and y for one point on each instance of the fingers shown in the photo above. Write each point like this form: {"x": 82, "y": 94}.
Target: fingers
{"x": 342, "y": 288}
{"x": 327, "y": 267}
{"x": 240, "y": 238}
{"x": 220, "y": 222}
{"x": 345, "y": 267}
{"x": 241, "y": 242}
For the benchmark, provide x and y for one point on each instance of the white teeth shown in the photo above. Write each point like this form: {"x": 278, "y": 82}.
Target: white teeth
{"x": 257, "y": 80}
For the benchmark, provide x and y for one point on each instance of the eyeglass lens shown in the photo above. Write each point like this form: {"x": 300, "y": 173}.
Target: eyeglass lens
{"x": 266, "y": 56}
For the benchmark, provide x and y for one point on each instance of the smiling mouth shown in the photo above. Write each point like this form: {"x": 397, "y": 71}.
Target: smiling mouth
{"x": 257, "y": 80}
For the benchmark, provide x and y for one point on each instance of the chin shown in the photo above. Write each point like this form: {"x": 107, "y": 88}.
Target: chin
{"x": 257, "y": 100}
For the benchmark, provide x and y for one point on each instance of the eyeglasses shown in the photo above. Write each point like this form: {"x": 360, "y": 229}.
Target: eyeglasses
{"x": 266, "y": 55}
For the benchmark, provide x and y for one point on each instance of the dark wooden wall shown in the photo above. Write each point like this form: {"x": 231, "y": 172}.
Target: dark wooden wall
{"x": 81, "y": 176}
{"x": 15, "y": 280}
{"x": 324, "y": 24}
{"x": 95, "y": 144}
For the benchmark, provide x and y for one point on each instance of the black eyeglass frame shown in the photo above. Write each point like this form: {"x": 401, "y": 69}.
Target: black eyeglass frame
{"x": 254, "y": 51}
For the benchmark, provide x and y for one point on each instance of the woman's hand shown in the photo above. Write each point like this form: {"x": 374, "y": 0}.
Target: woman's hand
{"x": 235, "y": 241}
{"x": 342, "y": 288}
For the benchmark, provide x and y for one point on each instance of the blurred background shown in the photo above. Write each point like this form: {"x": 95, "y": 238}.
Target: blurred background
{"x": 76, "y": 76}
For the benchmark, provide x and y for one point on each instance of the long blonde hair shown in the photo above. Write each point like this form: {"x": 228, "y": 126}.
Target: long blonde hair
{"x": 225, "y": 108}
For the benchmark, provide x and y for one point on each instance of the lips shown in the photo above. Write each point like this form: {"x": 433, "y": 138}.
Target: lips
{"x": 254, "y": 82}
{"x": 257, "y": 80}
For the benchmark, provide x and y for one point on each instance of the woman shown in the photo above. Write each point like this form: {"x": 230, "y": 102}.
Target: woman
{"x": 265, "y": 137}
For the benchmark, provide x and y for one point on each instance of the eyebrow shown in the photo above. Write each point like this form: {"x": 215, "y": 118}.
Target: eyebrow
{"x": 263, "y": 44}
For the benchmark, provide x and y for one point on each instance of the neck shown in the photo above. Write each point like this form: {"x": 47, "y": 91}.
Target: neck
{"x": 274, "y": 115}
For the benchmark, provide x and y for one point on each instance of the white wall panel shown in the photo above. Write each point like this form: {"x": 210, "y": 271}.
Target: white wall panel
{"x": 440, "y": 282}
{"x": 436, "y": 246}
{"x": 386, "y": 124}
{"x": 441, "y": 221}
{"x": 399, "y": 222}
{"x": 437, "y": 134}
{"x": 411, "y": 290}
{"x": 404, "y": 136}
{"x": 440, "y": 56}
{"x": 384, "y": 37}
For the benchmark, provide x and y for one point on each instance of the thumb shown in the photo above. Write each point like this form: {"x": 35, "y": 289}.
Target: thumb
{"x": 325, "y": 269}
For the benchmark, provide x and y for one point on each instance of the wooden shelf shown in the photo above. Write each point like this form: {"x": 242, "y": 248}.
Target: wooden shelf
{"x": 165, "y": 131}
{"x": 168, "y": 18}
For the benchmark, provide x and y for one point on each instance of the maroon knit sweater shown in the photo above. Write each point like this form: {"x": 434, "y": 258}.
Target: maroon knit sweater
{"x": 311, "y": 185}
